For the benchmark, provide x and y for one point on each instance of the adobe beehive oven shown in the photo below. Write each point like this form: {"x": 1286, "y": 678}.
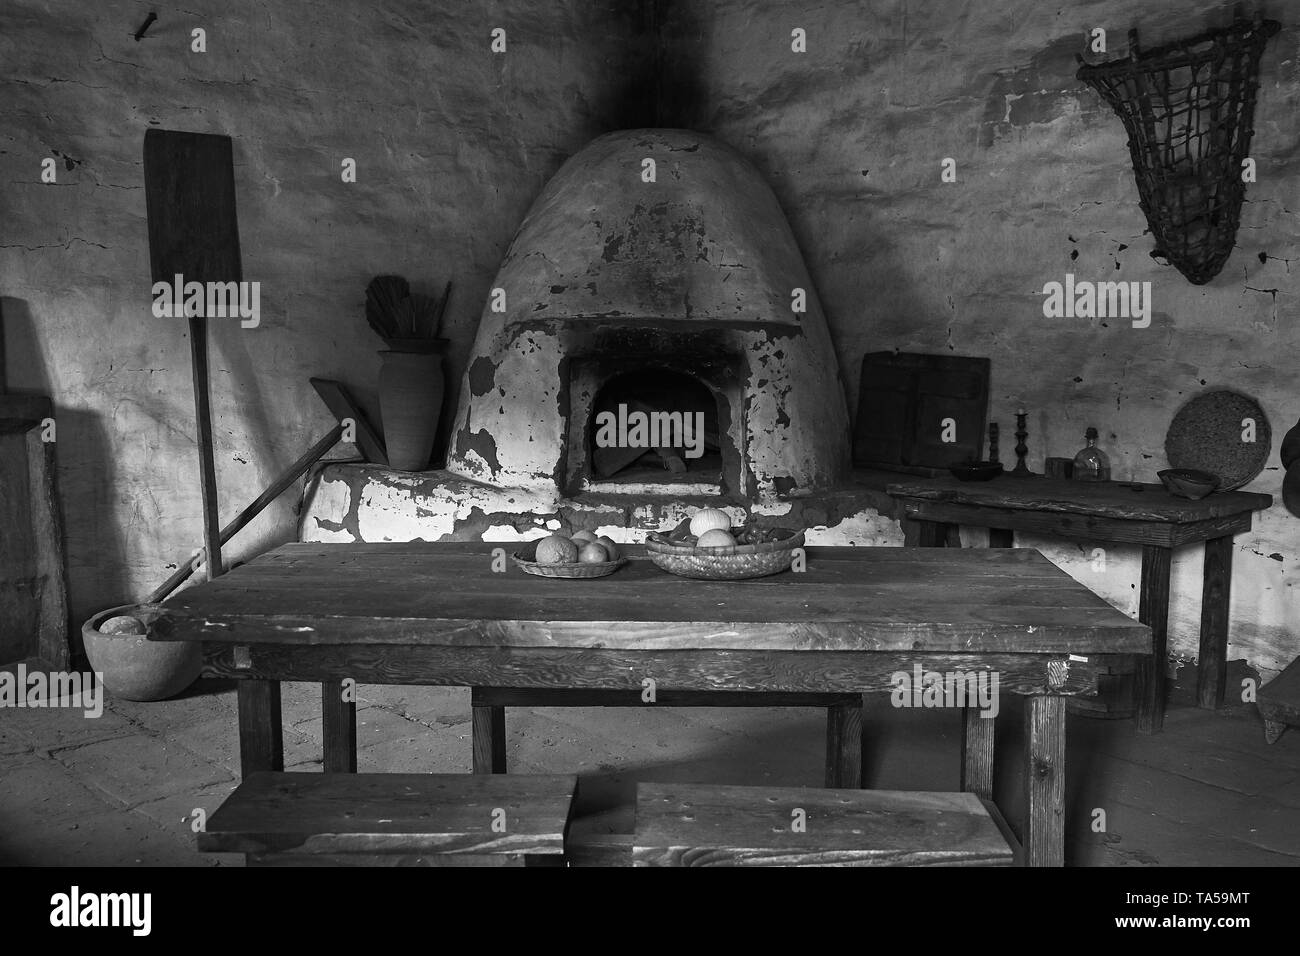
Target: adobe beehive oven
{"x": 688, "y": 276}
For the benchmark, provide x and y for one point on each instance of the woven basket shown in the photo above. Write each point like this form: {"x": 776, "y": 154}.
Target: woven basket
{"x": 567, "y": 569}
{"x": 731, "y": 563}
{"x": 1189, "y": 111}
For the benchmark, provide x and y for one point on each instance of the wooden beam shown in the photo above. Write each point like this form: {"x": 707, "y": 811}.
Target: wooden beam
{"x": 273, "y": 491}
{"x": 1153, "y": 610}
{"x": 563, "y": 697}
{"x": 339, "y": 401}
{"x": 977, "y": 753}
{"x": 1073, "y": 526}
{"x": 338, "y": 728}
{"x": 469, "y": 666}
{"x": 1044, "y": 831}
{"x": 1212, "y": 669}
{"x": 261, "y": 737}
{"x": 844, "y": 757}
{"x": 207, "y": 462}
{"x": 488, "y": 734}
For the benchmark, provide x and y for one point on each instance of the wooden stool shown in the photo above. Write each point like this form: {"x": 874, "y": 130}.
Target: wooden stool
{"x": 844, "y": 763}
{"x": 393, "y": 819}
{"x": 1279, "y": 702}
{"x": 690, "y": 825}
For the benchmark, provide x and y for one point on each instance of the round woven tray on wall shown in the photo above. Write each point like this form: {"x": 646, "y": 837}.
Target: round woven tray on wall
{"x": 1205, "y": 435}
{"x": 732, "y": 563}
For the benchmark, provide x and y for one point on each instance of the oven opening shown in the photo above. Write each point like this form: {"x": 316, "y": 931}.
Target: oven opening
{"x": 654, "y": 427}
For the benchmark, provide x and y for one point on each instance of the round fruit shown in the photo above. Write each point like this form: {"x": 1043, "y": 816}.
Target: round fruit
{"x": 123, "y": 624}
{"x": 556, "y": 549}
{"x": 709, "y": 519}
{"x": 716, "y": 538}
{"x": 587, "y": 536}
{"x": 593, "y": 553}
{"x": 610, "y": 548}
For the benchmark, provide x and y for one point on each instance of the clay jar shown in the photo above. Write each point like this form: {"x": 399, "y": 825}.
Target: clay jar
{"x": 411, "y": 384}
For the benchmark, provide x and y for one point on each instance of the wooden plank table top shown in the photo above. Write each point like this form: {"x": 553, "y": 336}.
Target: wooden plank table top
{"x": 876, "y": 599}
{"x": 1107, "y": 499}
{"x": 1008, "y": 621}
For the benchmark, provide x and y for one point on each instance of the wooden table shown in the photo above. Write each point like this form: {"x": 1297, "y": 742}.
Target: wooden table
{"x": 934, "y": 508}
{"x": 437, "y": 614}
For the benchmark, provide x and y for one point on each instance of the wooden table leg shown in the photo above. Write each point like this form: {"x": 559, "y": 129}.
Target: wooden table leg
{"x": 1212, "y": 669}
{"x": 1002, "y": 538}
{"x": 488, "y": 729}
{"x": 338, "y": 728}
{"x": 1044, "y": 832}
{"x": 1153, "y": 610}
{"x": 844, "y": 763}
{"x": 977, "y": 753}
{"x": 261, "y": 740}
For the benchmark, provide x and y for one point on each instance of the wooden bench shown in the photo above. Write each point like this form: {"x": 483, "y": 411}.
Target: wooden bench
{"x": 691, "y": 825}
{"x": 391, "y": 819}
{"x": 844, "y": 763}
{"x": 1279, "y": 702}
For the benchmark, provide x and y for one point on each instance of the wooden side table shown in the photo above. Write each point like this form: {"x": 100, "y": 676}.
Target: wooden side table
{"x": 1144, "y": 514}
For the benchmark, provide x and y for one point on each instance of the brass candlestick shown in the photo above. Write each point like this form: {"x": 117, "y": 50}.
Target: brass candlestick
{"x": 993, "y": 442}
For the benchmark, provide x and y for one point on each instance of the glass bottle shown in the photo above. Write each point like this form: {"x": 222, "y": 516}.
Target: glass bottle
{"x": 1091, "y": 464}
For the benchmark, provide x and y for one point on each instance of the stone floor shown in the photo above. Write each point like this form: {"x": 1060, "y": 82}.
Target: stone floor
{"x": 123, "y": 788}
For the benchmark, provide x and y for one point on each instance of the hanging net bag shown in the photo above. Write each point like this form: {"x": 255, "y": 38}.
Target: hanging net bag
{"x": 1189, "y": 110}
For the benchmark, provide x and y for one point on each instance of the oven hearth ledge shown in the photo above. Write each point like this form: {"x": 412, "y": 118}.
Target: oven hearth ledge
{"x": 355, "y": 502}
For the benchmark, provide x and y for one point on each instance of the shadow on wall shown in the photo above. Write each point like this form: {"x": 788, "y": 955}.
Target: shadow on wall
{"x": 85, "y": 479}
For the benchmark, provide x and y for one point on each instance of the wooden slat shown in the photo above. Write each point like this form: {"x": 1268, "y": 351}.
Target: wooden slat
{"x": 514, "y": 600}
{"x": 692, "y": 825}
{"x": 386, "y": 860}
{"x": 1045, "y": 631}
{"x": 1212, "y": 672}
{"x": 1079, "y": 526}
{"x": 864, "y": 558}
{"x": 598, "y": 849}
{"x": 1153, "y": 610}
{"x": 309, "y": 813}
{"x": 338, "y": 728}
{"x": 562, "y": 697}
{"x": 339, "y": 401}
{"x": 844, "y": 757}
{"x": 488, "y": 737}
{"x": 272, "y": 491}
{"x": 977, "y": 753}
{"x": 1044, "y": 831}
{"x": 1099, "y": 499}
{"x": 699, "y": 670}
{"x": 633, "y": 578}
{"x": 212, "y": 562}
{"x": 261, "y": 736}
